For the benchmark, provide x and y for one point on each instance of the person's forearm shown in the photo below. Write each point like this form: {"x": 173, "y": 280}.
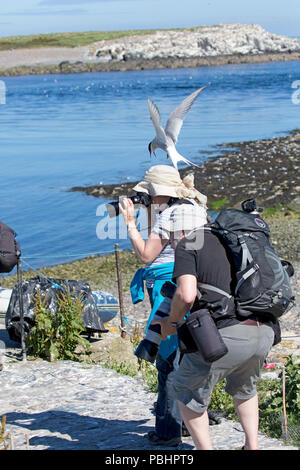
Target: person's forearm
{"x": 179, "y": 308}
{"x": 137, "y": 241}
{"x": 184, "y": 297}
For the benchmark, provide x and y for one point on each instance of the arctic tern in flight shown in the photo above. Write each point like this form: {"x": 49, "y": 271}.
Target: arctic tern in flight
{"x": 166, "y": 139}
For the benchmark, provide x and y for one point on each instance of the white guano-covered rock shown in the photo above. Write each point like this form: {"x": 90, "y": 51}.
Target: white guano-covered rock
{"x": 204, "y": 41}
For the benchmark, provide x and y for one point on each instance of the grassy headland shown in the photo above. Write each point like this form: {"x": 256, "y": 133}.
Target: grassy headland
{"x": 70, "y": 39}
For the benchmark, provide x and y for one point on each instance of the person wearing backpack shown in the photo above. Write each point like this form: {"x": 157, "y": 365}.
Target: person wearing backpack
{"x": 166, "y": 189}
{"x": 206, "y": 281}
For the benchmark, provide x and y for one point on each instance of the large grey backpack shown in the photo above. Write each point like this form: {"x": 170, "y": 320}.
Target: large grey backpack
{"x": 262, "y": 283}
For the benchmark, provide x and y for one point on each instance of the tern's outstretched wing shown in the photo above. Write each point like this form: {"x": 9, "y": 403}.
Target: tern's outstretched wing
{"x": 175, "y": 120}
{"x": 155, "y": 118}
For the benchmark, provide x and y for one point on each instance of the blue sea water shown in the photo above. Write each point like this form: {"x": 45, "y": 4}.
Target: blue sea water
{"x": 59, "y": 131}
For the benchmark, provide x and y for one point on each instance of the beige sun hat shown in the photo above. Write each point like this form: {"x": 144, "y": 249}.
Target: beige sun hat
{"x": 165, "y": 180}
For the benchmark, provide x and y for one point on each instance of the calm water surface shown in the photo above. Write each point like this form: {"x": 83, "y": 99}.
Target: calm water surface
{"x": 59, "y": 131}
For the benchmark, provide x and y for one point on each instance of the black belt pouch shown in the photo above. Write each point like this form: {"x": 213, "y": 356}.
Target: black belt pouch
{"x": 199, "y": 333}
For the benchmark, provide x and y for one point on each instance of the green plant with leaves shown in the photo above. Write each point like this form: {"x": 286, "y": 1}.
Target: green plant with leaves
{"x": 58, "y": 336}
{"x": 4, "y": 445}
{"x": 271, "y": 400}
{"x": 270, "y": 396}
{"x": 150, "y": 376}
{"x": 122, "y": 367}
{"x": 222, "y": 401}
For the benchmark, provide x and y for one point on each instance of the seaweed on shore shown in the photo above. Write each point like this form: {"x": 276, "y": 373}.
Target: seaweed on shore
{"x": 268, "y": 170}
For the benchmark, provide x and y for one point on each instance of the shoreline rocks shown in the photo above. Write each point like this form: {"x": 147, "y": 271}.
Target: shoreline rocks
{"x": 193, "y": 47}
{"x": 268, "y": 170}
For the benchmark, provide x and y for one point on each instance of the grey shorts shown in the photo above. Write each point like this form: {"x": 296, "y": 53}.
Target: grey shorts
{"x": 248, "y": 346}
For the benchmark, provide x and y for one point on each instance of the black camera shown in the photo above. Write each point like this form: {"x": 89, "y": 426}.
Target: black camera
{"x": 249, "y": 205}
{"x": 140, "y": 198}
{"x": 148, "y": 347}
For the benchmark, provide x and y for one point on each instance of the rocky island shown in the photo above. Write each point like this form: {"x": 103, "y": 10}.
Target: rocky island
{"x": 192, "y": 47}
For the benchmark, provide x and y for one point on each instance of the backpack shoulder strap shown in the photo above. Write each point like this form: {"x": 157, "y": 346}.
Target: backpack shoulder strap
{"x": 214, "y": 289}
{"x": 246, "y": 255}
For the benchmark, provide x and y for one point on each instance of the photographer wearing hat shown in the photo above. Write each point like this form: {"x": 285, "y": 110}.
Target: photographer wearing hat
{"x": 166, "y": 189}
{"x": 247, "y": 342}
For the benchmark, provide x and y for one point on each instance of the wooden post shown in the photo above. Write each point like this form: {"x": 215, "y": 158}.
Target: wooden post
{"x": 12, "y": 447}
{"x": 285, "y": 433}
{"x": 21, "y": 308}
{"x": 119, "y": 276}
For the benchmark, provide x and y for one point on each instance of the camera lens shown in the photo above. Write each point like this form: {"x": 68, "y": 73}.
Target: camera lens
{"x": 113, "y": 208}
{"x": 139, "y": 198}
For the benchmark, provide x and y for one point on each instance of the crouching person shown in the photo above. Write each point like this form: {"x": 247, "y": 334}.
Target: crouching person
{"x": 201, "y": 262}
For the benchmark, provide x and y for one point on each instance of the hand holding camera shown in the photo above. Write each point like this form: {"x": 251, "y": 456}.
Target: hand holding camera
{"x": 126, "y": 207}
{"x": 167, "y": 329}
{"x": 114, "y": 207}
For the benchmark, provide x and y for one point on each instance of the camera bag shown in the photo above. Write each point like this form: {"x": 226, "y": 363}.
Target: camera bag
{"x": 198, "y": 332}
{"x": 9, "y": 249}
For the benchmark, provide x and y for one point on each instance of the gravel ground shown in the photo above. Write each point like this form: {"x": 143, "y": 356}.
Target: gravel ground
{"x": 71, "y": 406}
{"x": 42, "y": 56}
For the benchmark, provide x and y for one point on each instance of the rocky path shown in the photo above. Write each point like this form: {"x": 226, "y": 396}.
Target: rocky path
{"x": 67, "y": 405}
{"x": 71, "y": 406}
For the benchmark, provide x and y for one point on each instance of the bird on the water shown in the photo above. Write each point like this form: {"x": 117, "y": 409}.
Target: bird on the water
{"x": 166, "y": 139}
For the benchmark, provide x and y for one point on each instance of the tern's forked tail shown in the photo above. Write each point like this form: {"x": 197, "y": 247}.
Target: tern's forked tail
{"x": 176, "y": 157}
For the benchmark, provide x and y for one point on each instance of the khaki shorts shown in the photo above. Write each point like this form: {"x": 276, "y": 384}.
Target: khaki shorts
{"x": 248, "y": 346}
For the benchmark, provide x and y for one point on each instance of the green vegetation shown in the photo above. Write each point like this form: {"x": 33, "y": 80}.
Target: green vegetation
{"x": 63, "y": 39}
{"x": 145, "y": 370}
{"x": 57, "y": 337}
{"x": 98, "y": 271}
{"x": 279, "y": 209}
{"x": 216, "y": 206}
{"x": 271, "y": 396}
{"x": 67, "y": 39}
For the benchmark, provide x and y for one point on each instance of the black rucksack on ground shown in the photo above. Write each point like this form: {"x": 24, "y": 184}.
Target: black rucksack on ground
{"x": 262, "y": 284}
{"x": 9, "y": 249}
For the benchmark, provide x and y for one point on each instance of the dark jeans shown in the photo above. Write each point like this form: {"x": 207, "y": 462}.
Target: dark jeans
{"x": 168, "y": 421}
